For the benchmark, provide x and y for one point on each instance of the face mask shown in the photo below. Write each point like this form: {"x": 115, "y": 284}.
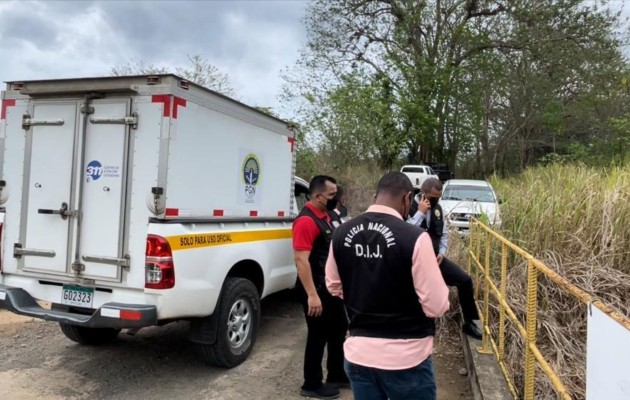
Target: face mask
{"x": 434, "y": 201}
{"x": 331, "y": 204}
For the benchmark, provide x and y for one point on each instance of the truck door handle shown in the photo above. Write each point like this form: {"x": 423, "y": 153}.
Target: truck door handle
{"x": 63, "y": 211}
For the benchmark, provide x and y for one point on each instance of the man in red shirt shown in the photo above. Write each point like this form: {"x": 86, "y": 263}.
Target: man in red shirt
{"x": 326, "y": 320}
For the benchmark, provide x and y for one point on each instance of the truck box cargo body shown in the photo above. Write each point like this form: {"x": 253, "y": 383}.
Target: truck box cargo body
{"x": 131, "y": 201}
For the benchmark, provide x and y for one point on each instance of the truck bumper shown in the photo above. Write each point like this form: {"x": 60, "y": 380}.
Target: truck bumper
{"x": 109, "y": 315}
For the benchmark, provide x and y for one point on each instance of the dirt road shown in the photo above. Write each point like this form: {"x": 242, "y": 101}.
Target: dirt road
{"x": 38, "y": 362}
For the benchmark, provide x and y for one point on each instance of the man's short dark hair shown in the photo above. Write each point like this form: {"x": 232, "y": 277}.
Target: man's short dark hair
{"x": 431, "y": 183}
{"x": 395, "y": 184}
{"x": 318, "y": 183}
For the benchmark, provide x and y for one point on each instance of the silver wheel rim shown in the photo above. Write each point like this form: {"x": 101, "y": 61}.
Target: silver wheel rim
{"x": 239, "y": 323}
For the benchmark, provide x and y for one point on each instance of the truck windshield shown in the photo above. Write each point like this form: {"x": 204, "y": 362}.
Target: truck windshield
{"x": 468, "y": 193}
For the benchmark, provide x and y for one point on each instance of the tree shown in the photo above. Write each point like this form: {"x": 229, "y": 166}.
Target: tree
{"x": 499, "y": 83}
{"x": 200, "y": 71}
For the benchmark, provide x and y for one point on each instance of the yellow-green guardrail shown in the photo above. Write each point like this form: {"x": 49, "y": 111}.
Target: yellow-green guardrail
{"x": 482, "y": 236}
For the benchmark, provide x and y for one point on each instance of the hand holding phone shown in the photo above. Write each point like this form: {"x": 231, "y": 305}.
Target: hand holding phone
{"x": 424, "y": 205}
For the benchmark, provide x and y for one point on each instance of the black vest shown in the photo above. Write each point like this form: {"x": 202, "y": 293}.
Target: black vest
{"x": 374, "y": 257}
{"x": 335, "y": 219}
{"x": 436, "y": 226}
{"x": 321, "y": 246}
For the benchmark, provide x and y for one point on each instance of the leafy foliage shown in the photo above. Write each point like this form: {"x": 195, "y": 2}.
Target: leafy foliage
{"x": 490, "y": 85}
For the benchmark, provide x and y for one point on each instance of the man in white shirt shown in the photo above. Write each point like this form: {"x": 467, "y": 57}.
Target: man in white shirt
{"x": 430, "y": 217}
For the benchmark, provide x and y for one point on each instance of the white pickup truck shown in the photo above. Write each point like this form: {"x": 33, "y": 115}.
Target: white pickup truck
{"x": 418, "y": 173}
{"x": 128, "y": 202}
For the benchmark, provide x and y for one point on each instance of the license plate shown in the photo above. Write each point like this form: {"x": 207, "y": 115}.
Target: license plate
{"x": 77, "y": 296}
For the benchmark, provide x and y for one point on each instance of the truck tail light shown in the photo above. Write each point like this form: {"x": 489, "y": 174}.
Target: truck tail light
{"x": 159, "y": 267}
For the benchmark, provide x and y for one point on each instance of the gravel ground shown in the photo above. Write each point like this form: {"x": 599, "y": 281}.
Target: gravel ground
{"x": 38, "y": 362}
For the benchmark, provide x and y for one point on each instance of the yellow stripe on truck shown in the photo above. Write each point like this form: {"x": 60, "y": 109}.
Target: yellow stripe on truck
{"x": 198, "y": 240}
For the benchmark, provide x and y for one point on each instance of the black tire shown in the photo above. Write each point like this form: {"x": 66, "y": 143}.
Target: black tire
{"x": 239, "y": 297}
{"x": 90, "y": 336}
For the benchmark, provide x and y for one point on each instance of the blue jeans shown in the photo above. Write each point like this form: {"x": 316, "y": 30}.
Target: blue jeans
{"x": 417, "y": 383}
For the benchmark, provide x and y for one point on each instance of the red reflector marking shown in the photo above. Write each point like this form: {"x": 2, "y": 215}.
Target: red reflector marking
{"x": 253, "y": 213}
{"x": 130, "y": 315}
{"x": 166, "y": 100}
{"x": 171, "y": 212}
{"x": 292, "y": 141}
{"x": 218, "y": 213}
{"x": 177, "y": 101}
{"x": 5, "y": 105}
{"x": 280, "y": 213}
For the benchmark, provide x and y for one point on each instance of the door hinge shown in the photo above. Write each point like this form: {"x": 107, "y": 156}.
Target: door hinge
{"x": 27, "y": 122}
{"x": 16, "y": 250}
{"x": 131, "y": 120}
{"x": 124, "y": 262}
{"x": 78, "y": 267}
{"x": 87, "y": 109}
{"x": 19, "y": 252}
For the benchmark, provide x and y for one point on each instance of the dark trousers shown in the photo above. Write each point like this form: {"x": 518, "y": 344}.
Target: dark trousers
{"x": 328, "y": 329}
{"x": 454, "y": 275}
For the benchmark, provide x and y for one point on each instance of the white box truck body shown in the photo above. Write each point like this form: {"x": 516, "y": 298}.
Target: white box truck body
{"x": 134, "y": 201}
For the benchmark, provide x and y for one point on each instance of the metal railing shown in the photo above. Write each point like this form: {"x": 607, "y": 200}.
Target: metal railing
{"x": 479, "y": 233}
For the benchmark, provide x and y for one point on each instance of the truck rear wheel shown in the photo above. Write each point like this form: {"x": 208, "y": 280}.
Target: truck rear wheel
{"x": 91, "y": 336}
{"x": 238, "y": 313}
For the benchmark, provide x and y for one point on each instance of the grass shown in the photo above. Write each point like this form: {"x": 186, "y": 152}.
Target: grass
{"x": 575, "y": 212}
{"x": 573, "y": 218}
{"x": 359, "y": 185}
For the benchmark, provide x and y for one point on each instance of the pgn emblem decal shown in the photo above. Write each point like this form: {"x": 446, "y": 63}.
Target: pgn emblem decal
{"x": 251, "y": 175}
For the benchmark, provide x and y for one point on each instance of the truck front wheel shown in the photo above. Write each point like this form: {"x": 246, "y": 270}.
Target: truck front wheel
{"x": 92, "y": 336}
{"x": 238, "y": 313}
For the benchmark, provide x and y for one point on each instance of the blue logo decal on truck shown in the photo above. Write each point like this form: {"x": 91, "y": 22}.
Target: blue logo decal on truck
{"x": 94, "y": 170}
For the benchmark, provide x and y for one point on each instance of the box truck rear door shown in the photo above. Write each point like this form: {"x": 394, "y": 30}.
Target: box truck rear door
{"x": 47, "y": 190}
{"x": 101, "y": 236}
{"x": 75, "y": 183}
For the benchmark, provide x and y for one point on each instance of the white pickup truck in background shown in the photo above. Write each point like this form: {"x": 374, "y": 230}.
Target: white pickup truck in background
{"x": 128, "y": 202}
{"x": 418, "y": 173}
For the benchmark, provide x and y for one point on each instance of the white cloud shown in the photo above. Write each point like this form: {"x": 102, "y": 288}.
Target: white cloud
{"x": 250, "y": 41}
{"x": 74, "y": 45}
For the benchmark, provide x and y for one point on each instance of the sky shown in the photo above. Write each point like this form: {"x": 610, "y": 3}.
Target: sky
{"x": 251, "y": 41}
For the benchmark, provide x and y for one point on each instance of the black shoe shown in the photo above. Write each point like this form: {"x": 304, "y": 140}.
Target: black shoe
{"x": 325, "y": 391}
{"x": 472, "y": 330}
{"x": 339, "y": 383}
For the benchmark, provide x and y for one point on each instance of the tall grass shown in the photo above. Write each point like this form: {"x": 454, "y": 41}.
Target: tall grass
{"x": 573, "y": 211}
{"x": 575, "y": 219}
{"x": 359, "y": 184}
